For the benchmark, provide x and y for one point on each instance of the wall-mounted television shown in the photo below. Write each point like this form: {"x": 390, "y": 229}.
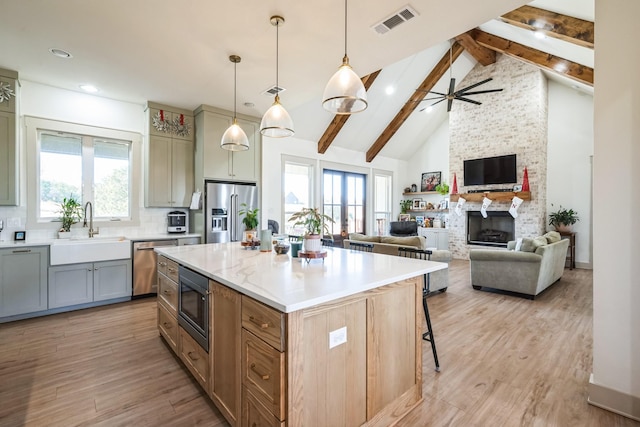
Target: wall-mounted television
{"x": 490, "y": 170}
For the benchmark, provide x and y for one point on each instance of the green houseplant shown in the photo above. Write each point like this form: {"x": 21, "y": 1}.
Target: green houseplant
{"x": 315, "y": 224}
{"x": 250, "y": 219}
{"x": 442, "y": 188}
{"x": 405, "y": 205}
{"x": 563, "y": 219}
{"x": 70, "y": 213}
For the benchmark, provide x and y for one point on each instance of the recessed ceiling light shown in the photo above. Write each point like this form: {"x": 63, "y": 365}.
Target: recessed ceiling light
{"x": 389, "y": 90}
{"x": 89, "y": 88}
{"x": 428, "y": 109}
{"x": 540, "y": 35}
{"x": 60, "y": 53}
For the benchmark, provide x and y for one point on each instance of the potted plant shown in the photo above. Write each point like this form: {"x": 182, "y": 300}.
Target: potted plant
{"x": 70, "y": 213}
{"x": 442, "y": 188}
{"x": 563, "y": 219}
{"x": 405, "y": 205}
{"x": 250, "y": 222}
{"x": 314, "y": 223}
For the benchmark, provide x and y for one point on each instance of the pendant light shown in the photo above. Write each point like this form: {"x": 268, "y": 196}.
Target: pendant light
{"x": 345, "y": 92}
{"x": 276, "y": 122}
{"x": 234, "y": 138}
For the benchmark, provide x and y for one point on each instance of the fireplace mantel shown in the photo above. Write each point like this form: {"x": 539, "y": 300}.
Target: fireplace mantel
{"x": 498, "y": 196}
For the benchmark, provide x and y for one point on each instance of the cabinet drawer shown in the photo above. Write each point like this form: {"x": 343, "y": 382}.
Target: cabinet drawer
{"x": 162, "y": 264}
{"x": 168, "y": 326}
{"x": 172, "y": 270}
{"x": 263, "y": 373}
{"x": 168, "y": 293}
{"x": 265, "y": 322}
{"x": 255, "y": 414}
{"x": 195, "y": 358}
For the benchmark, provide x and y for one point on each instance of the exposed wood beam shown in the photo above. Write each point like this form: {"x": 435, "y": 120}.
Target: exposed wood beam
{"x": 563, "y": 27}
{"x": 480, "y": 53}
{"x": 340, "y": 119}
{"x": 438, "y": 71}
{"x": 555, "y": 64}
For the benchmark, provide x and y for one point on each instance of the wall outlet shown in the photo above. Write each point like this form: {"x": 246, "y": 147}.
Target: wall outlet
{"x": 13, "y": 222}
{"x": 337, "y": 337}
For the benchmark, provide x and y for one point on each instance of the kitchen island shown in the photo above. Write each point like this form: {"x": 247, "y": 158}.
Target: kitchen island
{"x": 336, "y": 341}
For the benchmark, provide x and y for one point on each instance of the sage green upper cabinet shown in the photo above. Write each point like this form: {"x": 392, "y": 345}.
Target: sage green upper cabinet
{"x": 168, "y": 157}
{"x": 213, "y": 162}
{"x": 8, "y": 179}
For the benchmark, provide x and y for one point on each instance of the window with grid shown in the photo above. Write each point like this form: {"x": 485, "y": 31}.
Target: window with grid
{"x": 382, "y": 195}
{"x": 297, "y": 184}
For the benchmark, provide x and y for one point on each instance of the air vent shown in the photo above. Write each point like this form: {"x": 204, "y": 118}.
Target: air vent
{"x": 400, "y": 17}
{"x": 273, "y": 90}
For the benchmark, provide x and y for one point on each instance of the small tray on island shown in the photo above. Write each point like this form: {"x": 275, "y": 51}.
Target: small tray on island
{"x": 254, "y": 244}
{"x": 308, "y": 256}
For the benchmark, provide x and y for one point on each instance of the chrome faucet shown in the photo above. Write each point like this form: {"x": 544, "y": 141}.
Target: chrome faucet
{"x": 92, "y": 232}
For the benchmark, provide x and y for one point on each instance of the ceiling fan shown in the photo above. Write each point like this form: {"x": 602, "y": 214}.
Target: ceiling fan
{"x": 460, "y": 95}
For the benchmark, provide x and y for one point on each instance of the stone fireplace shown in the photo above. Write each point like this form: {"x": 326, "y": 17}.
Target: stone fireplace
{"x": 495, "y": 230}
{"x": 513, "y": 121}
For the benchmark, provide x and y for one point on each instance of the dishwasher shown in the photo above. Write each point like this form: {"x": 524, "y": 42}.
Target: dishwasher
{"x": 145, "y": 276}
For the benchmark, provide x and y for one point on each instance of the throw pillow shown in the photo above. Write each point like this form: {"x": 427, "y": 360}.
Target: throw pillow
{"x": 518, "y": 244}
{"x": 552, "y": 237}
{"x": 530, "y": 245}
{"x": 364, "y": 238}
{"x": 416, "y": 241}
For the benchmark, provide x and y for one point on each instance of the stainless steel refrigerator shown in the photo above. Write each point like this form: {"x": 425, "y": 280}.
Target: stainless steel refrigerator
{"x": 223, "y": 200}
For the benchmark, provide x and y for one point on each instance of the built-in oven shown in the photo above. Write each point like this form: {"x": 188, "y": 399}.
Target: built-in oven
{"x": 193, "y": 306}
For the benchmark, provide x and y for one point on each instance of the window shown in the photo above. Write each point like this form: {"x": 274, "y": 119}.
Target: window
{"x": 382, "y": 185}
{"x": 344, "y": 201}
{"x": 297, "y": 190}
{"x": 87, "y": 169}
{"x": 87, "y": 163}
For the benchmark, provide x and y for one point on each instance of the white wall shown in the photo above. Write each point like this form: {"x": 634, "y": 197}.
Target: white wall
{"x": 271, "y": 185}
{"x": 615, "y": 382}
{"x": 38, "y": 100}
{"x": 569, "y": 152}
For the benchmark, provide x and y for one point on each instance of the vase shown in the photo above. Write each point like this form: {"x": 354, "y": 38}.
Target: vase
{"x": 250, "y": 235}
{"x": 563, "y": 227}
{"x": 64, "y": 234}
{"x": 312, "y": 243}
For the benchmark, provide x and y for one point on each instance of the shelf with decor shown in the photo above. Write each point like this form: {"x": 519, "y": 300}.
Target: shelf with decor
{"x": 429, "y": 210}
{"x": 419, "y": 193}
{"x": 497, "y": 196}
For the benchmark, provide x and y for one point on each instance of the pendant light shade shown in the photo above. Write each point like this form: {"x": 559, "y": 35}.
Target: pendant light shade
{"x": 234, "y": 138}
{"x": 345, "y": 92}
{"x": 276, "y": 122}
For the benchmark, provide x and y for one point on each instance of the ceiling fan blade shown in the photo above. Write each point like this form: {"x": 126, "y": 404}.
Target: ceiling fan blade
{"x": 463, "y": 90}
{"x": 435, "y": 97}
{"x": 437, "y": 102}
{"x": 438, "y": 93}
{"x": 449, "y": 103}
{"x": 468, "y": 100}
{"x": 452, "y": 86}
{"x": 481, "y": 91}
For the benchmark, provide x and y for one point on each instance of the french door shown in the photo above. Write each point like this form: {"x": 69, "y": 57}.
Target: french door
{"x": 344, "y": 200}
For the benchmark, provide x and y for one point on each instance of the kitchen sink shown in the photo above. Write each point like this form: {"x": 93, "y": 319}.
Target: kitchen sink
{"x": 73, "y": 251}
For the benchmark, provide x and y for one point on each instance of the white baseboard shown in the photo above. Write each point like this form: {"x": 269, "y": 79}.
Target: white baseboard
{"x": 613, "y": 400}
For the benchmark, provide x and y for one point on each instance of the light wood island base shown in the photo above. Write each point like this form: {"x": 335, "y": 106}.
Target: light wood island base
{"x": 268, "y": 368}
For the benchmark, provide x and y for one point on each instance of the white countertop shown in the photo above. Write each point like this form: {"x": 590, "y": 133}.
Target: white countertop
{"x": 290, "y": 284}
{"x": 8, "y": 242}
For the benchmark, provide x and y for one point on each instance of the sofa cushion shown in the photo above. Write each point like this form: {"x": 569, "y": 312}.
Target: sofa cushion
{"x": 530, "y": 245}
{"x": 415, "y": 241}
{"x": 552, "y": 237}
{"x": 364, "y": 238}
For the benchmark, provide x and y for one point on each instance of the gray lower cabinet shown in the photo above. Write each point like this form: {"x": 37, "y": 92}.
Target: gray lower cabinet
{"x": 23, "y": 280}
{"x": 75, "y": 284}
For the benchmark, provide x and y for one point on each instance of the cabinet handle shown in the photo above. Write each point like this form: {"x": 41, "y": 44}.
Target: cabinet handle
{"x": 88, "y": 269}
{"x": 21, "y": 251}
{"x": 162, "y": 264}
{"x": 166, "y": 325}
{"x": 167, "y": 292}
{"x": 171, "y": 270}
{"x": 257, "y": 322}
{"x": 263, "y": 376}
{"x": 190, "y": 354}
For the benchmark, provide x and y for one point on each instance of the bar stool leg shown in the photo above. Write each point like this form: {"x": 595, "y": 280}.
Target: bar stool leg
{"x": 428, "y": 336}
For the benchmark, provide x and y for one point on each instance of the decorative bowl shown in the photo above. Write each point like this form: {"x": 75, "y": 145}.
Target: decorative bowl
{"x": 281, "y": 249}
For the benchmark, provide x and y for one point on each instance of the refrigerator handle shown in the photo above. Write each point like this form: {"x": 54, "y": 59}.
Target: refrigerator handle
{"x": 234, "y": 218}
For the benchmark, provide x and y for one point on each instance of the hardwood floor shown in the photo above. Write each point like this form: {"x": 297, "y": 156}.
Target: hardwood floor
{"x": 505, "y": 361}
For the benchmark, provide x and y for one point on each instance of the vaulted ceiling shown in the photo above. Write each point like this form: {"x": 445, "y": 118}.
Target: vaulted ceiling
{"x": 176, "y": 53}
